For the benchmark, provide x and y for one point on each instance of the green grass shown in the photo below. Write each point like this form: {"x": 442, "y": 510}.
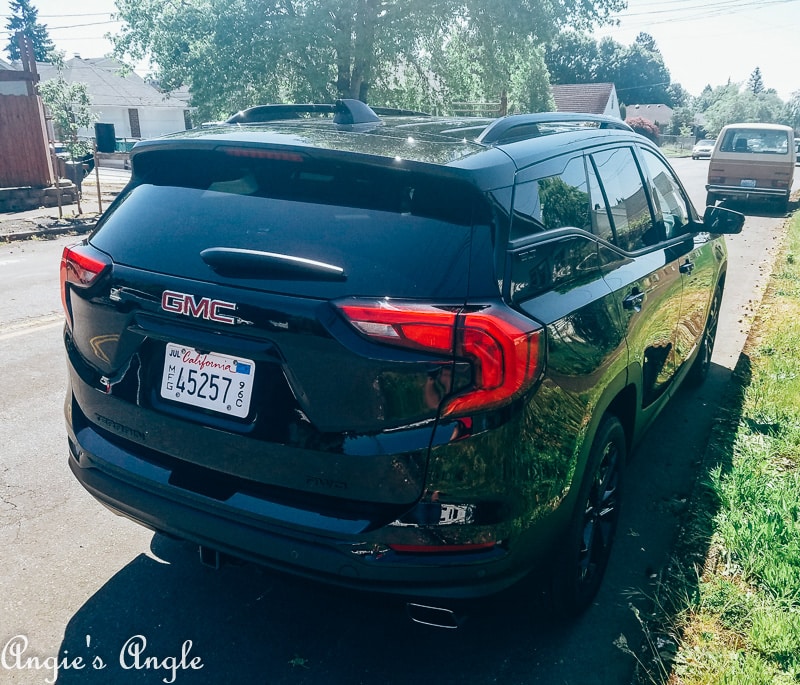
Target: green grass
{"x": 732, "y": 602}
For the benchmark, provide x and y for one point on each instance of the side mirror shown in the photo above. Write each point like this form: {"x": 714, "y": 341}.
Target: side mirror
{"x": 721, "y": 220}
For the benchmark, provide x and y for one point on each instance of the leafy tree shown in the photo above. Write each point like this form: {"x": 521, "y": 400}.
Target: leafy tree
{"x": 682, "y": 122}
{"x": 642, "y": 76}
{"x": 733, "y": 105}
{"x": 755, "y": 84}
{"x": 637, "y": 70}
{"x": 70, "y": 106}
{"x": 236, "y": 53}
{"x": 791, "y": 113}
{"x": 572, "y": 57}
{"x": 24, "y": 17}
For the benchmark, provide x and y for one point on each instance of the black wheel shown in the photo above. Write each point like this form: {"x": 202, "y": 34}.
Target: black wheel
{"x": 702, "y": 363}
{"x": 577, "y": 577}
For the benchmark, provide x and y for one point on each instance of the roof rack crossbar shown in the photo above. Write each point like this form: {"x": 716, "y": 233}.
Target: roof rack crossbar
{"x": 521, "y": 126}
{"x": 345, "y": 112}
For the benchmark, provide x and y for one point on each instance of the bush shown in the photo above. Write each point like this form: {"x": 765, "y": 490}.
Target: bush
{"x": 644, "y": 127}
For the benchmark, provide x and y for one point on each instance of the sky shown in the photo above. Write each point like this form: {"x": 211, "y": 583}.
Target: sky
{"x": 703, "y": 42}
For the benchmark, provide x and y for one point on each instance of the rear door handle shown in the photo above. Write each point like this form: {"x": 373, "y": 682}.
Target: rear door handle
{"x": 687, "y": 267}
{"x": 634, "y": 301}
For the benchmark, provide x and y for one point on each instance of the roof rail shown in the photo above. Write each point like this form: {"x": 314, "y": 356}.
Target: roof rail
{"x": 395, "y": 112}
{"x": 345, "y": 112}
{"x": 522, "y": 126}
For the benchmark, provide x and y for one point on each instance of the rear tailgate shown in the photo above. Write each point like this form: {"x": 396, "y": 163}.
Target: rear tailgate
{"x": 226, "y": 270}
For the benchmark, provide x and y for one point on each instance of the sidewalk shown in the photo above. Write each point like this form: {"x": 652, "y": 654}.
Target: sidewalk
{"x": 45, "y": 222}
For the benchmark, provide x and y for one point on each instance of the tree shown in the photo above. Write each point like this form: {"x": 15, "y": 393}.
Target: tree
{"x": 572, "y": 57}
{"x": 236, "y": 53}
{"x": 637, "y": 70}
{"x": 732, "y": 105}
{"x": 24, "y": 18}
{"x": 70, "y": 106}
{"x": 791, "y": 113}
{"x": 755, "y": 84}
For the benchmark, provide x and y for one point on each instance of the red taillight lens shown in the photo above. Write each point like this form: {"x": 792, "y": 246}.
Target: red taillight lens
{"x": 419, "y": 326}
{"x": 502, "y": 346}
{"x": 505, "y": 350}
{"x": 81, "y": 266}
{"x": 442, "y": 549}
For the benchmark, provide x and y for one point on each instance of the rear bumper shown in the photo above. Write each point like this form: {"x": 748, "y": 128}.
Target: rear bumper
{"x": 303, "y": 543}
{"x": 739, "y": 193}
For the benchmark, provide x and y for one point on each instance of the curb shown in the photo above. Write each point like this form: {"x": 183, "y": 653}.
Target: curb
{"x": 79, "y": 227}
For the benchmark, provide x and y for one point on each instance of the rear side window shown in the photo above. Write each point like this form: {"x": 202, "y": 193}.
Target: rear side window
{"x": 557, "y": 201}
{"x": 624, "y": 194}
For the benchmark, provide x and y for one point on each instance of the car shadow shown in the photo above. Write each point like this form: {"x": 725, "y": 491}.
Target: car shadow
{"x": 765, "y": 209}
{"x": 166, "y": 618}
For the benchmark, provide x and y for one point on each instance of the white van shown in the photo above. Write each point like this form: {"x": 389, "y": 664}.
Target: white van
{"x": 752, "y": 162}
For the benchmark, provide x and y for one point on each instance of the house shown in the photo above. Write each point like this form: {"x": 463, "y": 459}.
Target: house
{"x": 587, "y": 98}
{"x": 122, "y": 99}
{"x": 660, "y": 115}
{"x": 11, "y": 87}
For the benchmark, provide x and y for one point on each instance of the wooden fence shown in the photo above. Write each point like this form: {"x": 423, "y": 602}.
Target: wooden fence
{"x": 25, "y": 158}
{"x": 24, "y": 151}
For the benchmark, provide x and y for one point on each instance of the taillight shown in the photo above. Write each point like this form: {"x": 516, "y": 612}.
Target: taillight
{"x": 443, "y": 549}
{"x": 81, "y": 266}
{"x": 503, "y": 347}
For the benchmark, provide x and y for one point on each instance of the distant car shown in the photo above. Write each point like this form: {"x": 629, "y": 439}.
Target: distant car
{"x": 702, "y": 148}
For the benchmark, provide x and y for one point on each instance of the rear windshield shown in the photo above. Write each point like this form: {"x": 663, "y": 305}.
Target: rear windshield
{"x": 394, "y": 233}
{"x": 756, "y": 141}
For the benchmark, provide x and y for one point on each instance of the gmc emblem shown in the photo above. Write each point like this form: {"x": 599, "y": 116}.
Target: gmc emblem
{"x": 203, "y": 308}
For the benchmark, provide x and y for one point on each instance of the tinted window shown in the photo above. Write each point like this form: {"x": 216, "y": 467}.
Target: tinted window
{"x": 670, "y": 204}
{"x": 553, "y": 265}
{"x": 557, "y": 201}
{"x": 394, "y": 233}
{"x": 626, "y": 198}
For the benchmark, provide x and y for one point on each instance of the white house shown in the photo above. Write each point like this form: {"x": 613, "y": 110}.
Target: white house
{"x": 135, "y": 108}
{"x": 587, "y": 98}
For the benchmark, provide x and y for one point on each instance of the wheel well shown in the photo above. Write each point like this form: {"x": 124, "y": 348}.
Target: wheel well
{"x": 623, "y": 406}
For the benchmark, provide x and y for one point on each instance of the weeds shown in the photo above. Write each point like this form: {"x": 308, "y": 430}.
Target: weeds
{"x": 732, "y": 603}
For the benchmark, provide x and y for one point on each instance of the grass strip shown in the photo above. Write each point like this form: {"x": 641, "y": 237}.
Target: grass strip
{"x": 728, "y": 613}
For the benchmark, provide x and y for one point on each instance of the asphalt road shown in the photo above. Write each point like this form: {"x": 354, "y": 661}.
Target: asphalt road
{"x": 106, "y": 601}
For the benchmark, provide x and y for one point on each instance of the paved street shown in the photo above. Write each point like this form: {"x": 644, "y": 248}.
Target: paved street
{"x": 111, "y": 602}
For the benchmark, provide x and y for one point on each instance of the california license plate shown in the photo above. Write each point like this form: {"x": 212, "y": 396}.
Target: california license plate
{"x": 748, "y": 183}
{"x": 209, "y": 380}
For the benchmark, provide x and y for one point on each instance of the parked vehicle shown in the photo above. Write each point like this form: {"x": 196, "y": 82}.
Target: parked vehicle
{"x": 398, "y": 353}
{"x": 752, "y": 162}
{"x": 702, "y": 149}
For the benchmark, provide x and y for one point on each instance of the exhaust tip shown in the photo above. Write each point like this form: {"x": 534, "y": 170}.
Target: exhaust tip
{"x": 210, "y": 557}
{"x": 436, "y": 617}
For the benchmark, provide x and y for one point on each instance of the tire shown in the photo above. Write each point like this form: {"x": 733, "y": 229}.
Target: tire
{"x": 578, "y": 574}
{"x": 698, "y": 372}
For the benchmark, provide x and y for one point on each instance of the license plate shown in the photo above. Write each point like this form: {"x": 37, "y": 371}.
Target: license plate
{"x": 209, "y": 380}
{"x": 748, "y": 183}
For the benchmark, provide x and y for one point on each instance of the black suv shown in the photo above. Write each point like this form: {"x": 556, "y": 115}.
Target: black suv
{"x": 392, "y": 352}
